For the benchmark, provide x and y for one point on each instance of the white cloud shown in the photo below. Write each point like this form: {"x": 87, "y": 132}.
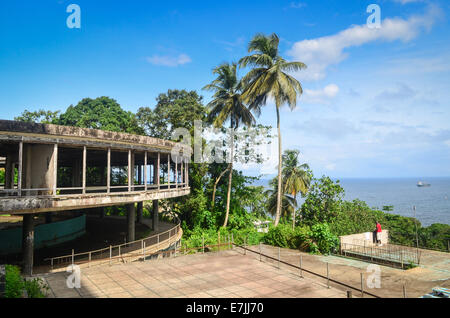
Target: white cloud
{"x": 321, "y": 96}
{"x": 170, "y": 61}
{"x": 401, "y": 92}
{"x": 318, "y": 54}
{"x": 297, "y": 5}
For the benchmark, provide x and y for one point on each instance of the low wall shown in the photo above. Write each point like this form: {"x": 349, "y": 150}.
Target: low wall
{"x": 364, "y": 239}
{"x": 44, "y": 235}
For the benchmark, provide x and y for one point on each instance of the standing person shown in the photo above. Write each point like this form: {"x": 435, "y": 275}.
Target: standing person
{"x": 379, "y": 231}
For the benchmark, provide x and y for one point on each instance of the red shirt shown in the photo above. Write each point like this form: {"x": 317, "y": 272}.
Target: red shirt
{"x": 379, "y": 227}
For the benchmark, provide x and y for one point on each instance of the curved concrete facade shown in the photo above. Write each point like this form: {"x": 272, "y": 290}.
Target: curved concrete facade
{"x": 53, "y": 168}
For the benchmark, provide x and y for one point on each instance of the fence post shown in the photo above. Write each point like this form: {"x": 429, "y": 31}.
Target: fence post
{"x": 218, "y": 240}
{"x": 73, "y": 256}
{"x": 143, "y": 250}
{"x": 349, "y": 294}
{"x": 260, "y": 251}
{"x": 328, "y": 276}
{"x": 245, "y": 251}
{"x": 203, "y": 244}
{"x": 110, "y": 254}
{"x": 278, "y": 257}
{"x": 362, "y": 284}
{"x": 232, "y": 241}
{"x": 89, "y": 259}
{"x": 52, "y": 263}
{"x": 401, "y": 257}
{"x": 404, "y": 291}
{"x": 301, "y": 270}
{"x": 157, "y": 248}
{"x": 119, "y": 253}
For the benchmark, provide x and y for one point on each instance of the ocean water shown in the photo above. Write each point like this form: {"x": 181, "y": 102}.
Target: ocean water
{"x": 432, "y": 203}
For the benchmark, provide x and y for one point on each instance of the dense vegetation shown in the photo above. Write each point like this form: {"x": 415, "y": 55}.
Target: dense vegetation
{"x": 16, "y": 285}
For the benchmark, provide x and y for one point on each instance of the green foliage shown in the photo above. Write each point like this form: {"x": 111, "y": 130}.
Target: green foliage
{"x": 2, "y": 175}
{"x": 40, "y": 116}
{"x": 36, "y": 288}
{"x": 194, "y": 238}
{"x": 15, "y": 285}
{"x": 174, "y": 109}
{"x": 317, "y": 239}
{"x": 325, "y": 241}
{"x": 14, "y": 282}
{"x": 101, "y": 113}
{"x": 435, "y": 236}
{"x": 283, "y": 236}
{"x": 322, "y": 201}
{"x": 356, "y": 217}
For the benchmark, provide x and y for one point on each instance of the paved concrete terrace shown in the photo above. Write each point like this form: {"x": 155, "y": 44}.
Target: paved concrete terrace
{"x": 433, "y": 271}
{"x": 228, "y": 274}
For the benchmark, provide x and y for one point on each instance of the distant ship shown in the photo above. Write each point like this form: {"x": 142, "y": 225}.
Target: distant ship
{"x": 423, "y": 184}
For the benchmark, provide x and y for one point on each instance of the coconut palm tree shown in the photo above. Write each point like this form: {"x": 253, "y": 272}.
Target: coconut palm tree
{"x": 288, "y": 202}
{"x": 296, "y": 177}
{"x": 268, "y": 78}
{"x": 226, "y": 105}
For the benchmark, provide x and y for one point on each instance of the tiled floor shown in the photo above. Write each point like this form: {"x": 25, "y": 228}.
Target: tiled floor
{"x": 229, "y": 274}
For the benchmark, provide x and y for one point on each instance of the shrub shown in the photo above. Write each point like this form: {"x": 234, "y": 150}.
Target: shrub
{"x": 325, "y": 241}
{"x": 15, "y": 284}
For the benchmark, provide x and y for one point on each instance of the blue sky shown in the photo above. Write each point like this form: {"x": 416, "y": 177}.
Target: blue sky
{"x": 375, "y": 102}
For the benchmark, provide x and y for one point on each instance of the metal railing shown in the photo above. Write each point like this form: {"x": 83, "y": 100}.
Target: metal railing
{"x": 398, "y": 255}
{"x": 49, "y": 192}
{"x": 137, "y": 249}
{"x": 302, "y": 269}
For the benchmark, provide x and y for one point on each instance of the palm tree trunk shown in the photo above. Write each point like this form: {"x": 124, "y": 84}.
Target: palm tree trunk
{"x": 293, "y": 212}
{"x": 278, "y": 213}
{"x": 215, "y": 186}
{"x": 229, "y": 179}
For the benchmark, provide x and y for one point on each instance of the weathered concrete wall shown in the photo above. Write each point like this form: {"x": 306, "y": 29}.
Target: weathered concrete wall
{"x": 21, "y": 205}
{"x": 41, "y": 162}
{"x": 364, "y": 239}
{"x": 75, "y": 135}
{"x": 44, "y": 234}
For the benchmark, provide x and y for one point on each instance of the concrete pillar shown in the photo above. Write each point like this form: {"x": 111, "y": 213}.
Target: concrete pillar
{"x": 140, "y": 210}
{"x": 108, "y": 171}
{"x": 131, "y": 219}
{"x": 9, "y": 170}
{"x": 145, "y": 171}
{"x": 40, "y": 163}
{"x": 27, "y": 244}
{"x": 83, "y": 182}
{"x": 155, "y": 221}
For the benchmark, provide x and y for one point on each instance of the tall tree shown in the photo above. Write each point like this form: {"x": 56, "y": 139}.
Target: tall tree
{"x": 268, "y": 79}
{"x": 100, "y": 113}
{"x": 174, "y": 109}
{"x": 179, "y": 109}
{"x": 40, "y": 116}
{"x": 296, "y": 177}
{"x": 288, "y": 203}
{"x": 227, "y": 105}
